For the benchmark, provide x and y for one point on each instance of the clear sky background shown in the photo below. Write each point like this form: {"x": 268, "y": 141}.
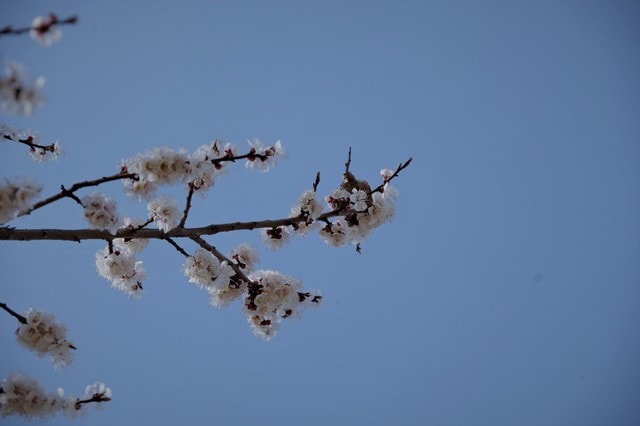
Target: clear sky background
{"x": 505, "y": 292}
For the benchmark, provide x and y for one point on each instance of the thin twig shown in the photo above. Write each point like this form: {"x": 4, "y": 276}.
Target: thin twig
{"x": 76, "y": 186}
{"x": 401, "y": 167}
{"x": 348, "y": 163}
{"x": 316, "y": 182}
{"x": 187, "y": 207}
{"x": 95, "y": 398}
{"x": 177, "y": 247}
{"x": 29, "y": 142}
{"x": 13, "y": 313}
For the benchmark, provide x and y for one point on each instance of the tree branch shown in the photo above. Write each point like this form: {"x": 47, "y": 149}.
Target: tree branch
{"x": 12, "y": 234}
{"x": 13, "y": 313}
{"x": 54, "y": 21}
{"x": 401, "y": 167}
{"x": 76, "y": 186}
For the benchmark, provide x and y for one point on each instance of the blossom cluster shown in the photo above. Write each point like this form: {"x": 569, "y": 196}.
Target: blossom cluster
{"x": 18, "y": 94}
{"x": 272, "y": 297}
{"x": 166, "y": 166}
{"x": 21, "y": 395}
{"x": 269, "y": 296}
{"x": 44, "y": 335}
{"x": 354, "y": 211}
{"x": 15, "y": 196}
{"x": 117, "y": 263}
{"x": 362, "y": 213}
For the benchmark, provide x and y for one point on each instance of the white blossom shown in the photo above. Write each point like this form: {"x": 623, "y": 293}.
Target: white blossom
{"x": 139, "y": 189}
{"x": 165, "y": 212}
{"x": 386, "y": 174}
{"x": 46, "y": 336}
{"x": 262, "y": 157}
{"x": 100, "y": 212}
{"x": 42, "y": 152}
{"x": 122, "y": 269}
{"x": 276, "y": 237}
{"x": 132, "y": 245}
{"x": 307, "y": 207}
{"x": 334, "y": 234}
{"x": 339, "y": 198}
{"x": 98, "y": 390}
{"x": 18, "y": 94}
{"x": 23, "y": 396}
{"x": 359, "y": 199}
{"x": 17, "y": 195}
{"x": 160, "y": 166}
{"x": 245, "y": 256}
{"x": 205, "y": 270}
{"x": 51, "y": 152}
{"x": 44, "y": 31}
{"x": 276, "y": 297}
{"x": 222, "y": 297}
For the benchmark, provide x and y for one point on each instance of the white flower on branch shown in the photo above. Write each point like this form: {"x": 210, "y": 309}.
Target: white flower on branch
{"x": 17, "y": 195}
{"x": 37, "y": 151}
{"x": 44, "y": 31}
{"x": 100, "y": 212}
{"x": 359, "y": 199}
{"x": 18, "y": 94}
{"x": 160, "y": 166}
{"x": 22, "y": 396}
{"x": 273, "y": 297}
{"x": 245, "y": 256}
{"x": 202, "y": 165}
{"x": 98, "y": 390}
{"x": 262, "y": 157}
{"x": 205, "y": 270}
{"x": 132, "y": 245}
{"x": 222, "y": 297}
{"x": 386, "y": 174}
{"x": 338, "y": 199}
{"x": 307, "y": 207}
{"x": 165, "y": 212}
{"x": 334, "y": 234}
{"x": 208, "y": 272}
{"x": 276, "y": 237}
{"x": 121, "y": 268}
{"x": 46, "y": 336}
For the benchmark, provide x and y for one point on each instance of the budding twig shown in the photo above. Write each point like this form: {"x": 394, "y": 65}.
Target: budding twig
{"x": 76, "y": 186}
{"x": 401, "y": 167}
{"x": 348, "y": 163}
{"x": 31, "y": 144}
{"x": 316, "y": 182}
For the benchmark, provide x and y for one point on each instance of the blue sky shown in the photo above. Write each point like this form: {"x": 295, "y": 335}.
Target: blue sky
{"x": 505, "y": 291}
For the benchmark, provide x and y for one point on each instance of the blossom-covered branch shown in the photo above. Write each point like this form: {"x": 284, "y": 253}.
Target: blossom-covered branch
{"x": 43, "y": 29}
{"x": 21, "y": 395}
{"x": 64, "y": 192}
{"x": 41, "y": 333}
{"x": 77, "y": 235}
{"x": 347, "y": 216}
{"x": 37, "y": 150}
